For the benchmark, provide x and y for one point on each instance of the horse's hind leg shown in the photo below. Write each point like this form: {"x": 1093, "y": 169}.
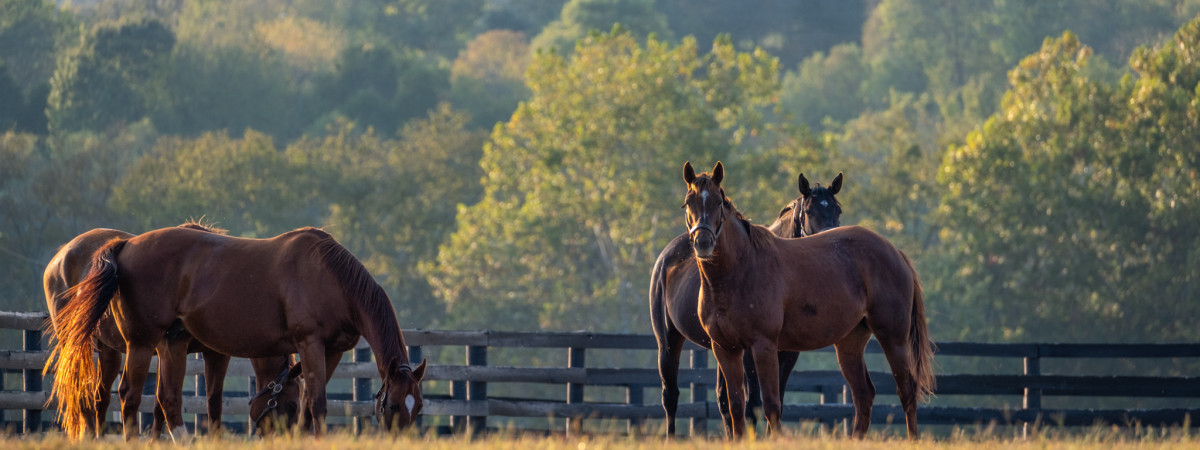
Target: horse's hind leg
{"x": 137, "y": 367}
{"x": 110, "y": 366}
{"x": 668, "y": 372}
{"x": 172, "y": 366}
{"x": 862, "y": 390}
{"x": 787, "y": 363}
{"x": 215, "y": 367}
{"x": 754, "y": 403}
{"x": 899, "y": 355}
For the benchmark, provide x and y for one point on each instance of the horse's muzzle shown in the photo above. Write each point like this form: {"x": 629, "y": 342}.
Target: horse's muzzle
{"x": 704, "y": 242}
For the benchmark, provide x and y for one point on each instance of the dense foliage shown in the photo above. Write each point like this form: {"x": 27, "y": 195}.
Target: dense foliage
{"x": 515, "y": 164}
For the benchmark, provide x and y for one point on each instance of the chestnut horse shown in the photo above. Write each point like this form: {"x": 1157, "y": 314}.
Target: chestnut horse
{"x": 761, "y": 293}
{"x": 675, "y": 287}
{"x": 299, "y": 292}
{"x": 69, "y": 265}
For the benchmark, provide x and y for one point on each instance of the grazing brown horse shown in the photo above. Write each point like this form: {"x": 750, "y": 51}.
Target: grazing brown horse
{"x": 68, "y": 267}
{"x": 297, "y": 292}
{"x": 760, "y": 293}
{"x": 675, "y": 289}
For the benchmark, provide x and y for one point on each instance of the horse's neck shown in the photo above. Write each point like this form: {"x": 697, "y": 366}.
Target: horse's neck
{"x": 386, "y": 341}
{"x": 733, "y": 257}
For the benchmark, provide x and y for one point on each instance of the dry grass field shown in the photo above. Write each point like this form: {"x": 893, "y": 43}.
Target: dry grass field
{"x": 958, "y": 439}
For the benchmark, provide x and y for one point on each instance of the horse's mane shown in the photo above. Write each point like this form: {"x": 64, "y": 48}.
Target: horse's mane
{"x": 201, "y": 225}
{"x": 760, "y": 236}
{"x": 356, "y": 282}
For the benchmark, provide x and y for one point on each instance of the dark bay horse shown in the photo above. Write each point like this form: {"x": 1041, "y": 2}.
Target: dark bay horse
{"x": 299, "y": 292}
{"x": 69, "y": 266}
{"x": 760, "y": 293}
{"x": 675, "y": 288}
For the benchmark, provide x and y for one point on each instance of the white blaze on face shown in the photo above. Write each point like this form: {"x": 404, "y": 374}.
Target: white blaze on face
{"x": 410, "y": 402}
{"x": 825, "y": 203}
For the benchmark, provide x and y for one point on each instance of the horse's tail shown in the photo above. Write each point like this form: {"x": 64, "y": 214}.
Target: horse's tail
{"x": 76, "y": 378}
{"x": 918, "y": 337}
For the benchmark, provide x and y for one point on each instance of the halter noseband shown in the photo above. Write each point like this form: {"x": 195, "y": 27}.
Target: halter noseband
{"x": 704, "y": 226}
{"x": 381, "y": 396}
{"x": 274, "y": 388}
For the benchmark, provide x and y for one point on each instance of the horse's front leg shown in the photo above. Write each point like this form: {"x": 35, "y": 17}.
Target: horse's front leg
{"x": 766, "y": 358}
{"x": 312, "y": 356}
{"x": 729, "y": 362}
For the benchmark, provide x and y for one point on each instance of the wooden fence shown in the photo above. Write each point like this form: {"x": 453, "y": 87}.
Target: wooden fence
{"x": 467, "y": 404}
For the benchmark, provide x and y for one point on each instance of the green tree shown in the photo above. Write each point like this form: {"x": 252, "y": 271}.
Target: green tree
{"x": 383, "y": 87}
{"x": 244, "y": 185}
{"x": 790, "y": 30}
{"x": 580, "y": 17}
{"x": 31, "y": 31}
{"x": 227, "y": 88}
{"x": 52, "y": 189}
{"x": 110, "y": 78}
{"x": 393, "y": 201}
{"x": 488, "y": 77}
{"x": 1066, "y": 207}
{"x": 581, "y": 185}
{"x": 827, "y": 86}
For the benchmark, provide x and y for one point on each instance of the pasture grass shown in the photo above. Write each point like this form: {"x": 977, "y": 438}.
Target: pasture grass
{"x": 959, "y": 438}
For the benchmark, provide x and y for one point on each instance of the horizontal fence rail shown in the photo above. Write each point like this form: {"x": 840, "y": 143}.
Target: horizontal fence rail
{"x": 469, "y": 407}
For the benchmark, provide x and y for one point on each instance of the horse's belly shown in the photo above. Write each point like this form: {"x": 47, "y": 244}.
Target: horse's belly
{"x": 810, "y": 327}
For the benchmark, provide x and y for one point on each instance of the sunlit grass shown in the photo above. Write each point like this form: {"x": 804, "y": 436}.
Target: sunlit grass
{"x": 958, "y": 438}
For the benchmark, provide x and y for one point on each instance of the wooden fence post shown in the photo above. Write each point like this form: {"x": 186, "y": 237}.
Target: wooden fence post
{"x": 699, "y": 425}
{"x": 829, "y": 396}
{"x": 33, "y": 381}
{"x": 576, "y": 358}
{"x": 633, "y": 397}
{"x": 458, "y": 393}
{"x": 477, "y": 391}
{"x": 362, "y": 388}
{"x": 151, "y": 389}
{"x": 202, "y": 393}
{"x": 1033, "y": 397}
{"x": 250, "y": 391}
{"x": 415, "y": 355}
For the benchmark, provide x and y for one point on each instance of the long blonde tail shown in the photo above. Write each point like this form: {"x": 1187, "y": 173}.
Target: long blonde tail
{"x": 76, "y": 376}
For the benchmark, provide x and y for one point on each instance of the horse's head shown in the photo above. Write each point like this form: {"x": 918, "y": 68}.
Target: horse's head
{"x": 277, "y": 406}
{"x": 818, "y": 210}
{"x": 398, "y": 402}
{"x": 706, "y": 207}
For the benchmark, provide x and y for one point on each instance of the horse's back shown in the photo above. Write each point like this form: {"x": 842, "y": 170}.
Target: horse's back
{"x": 210, "y": 281}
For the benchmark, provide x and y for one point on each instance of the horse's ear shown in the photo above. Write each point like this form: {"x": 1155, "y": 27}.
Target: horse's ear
{"x": 804, "y": 188}
{"x": 419, "y": 372}
{"x": 836, "y": 185}
{"x": 718, "y": 173}
{"x": 689, "y": 174}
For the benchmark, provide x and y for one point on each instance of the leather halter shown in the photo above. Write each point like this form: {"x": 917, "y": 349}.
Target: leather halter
{"x": 275, "y": 387}
{"x": 802, "y": 224}
{"x": 381, "y": 396}
{"x": 704, "y": 226}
